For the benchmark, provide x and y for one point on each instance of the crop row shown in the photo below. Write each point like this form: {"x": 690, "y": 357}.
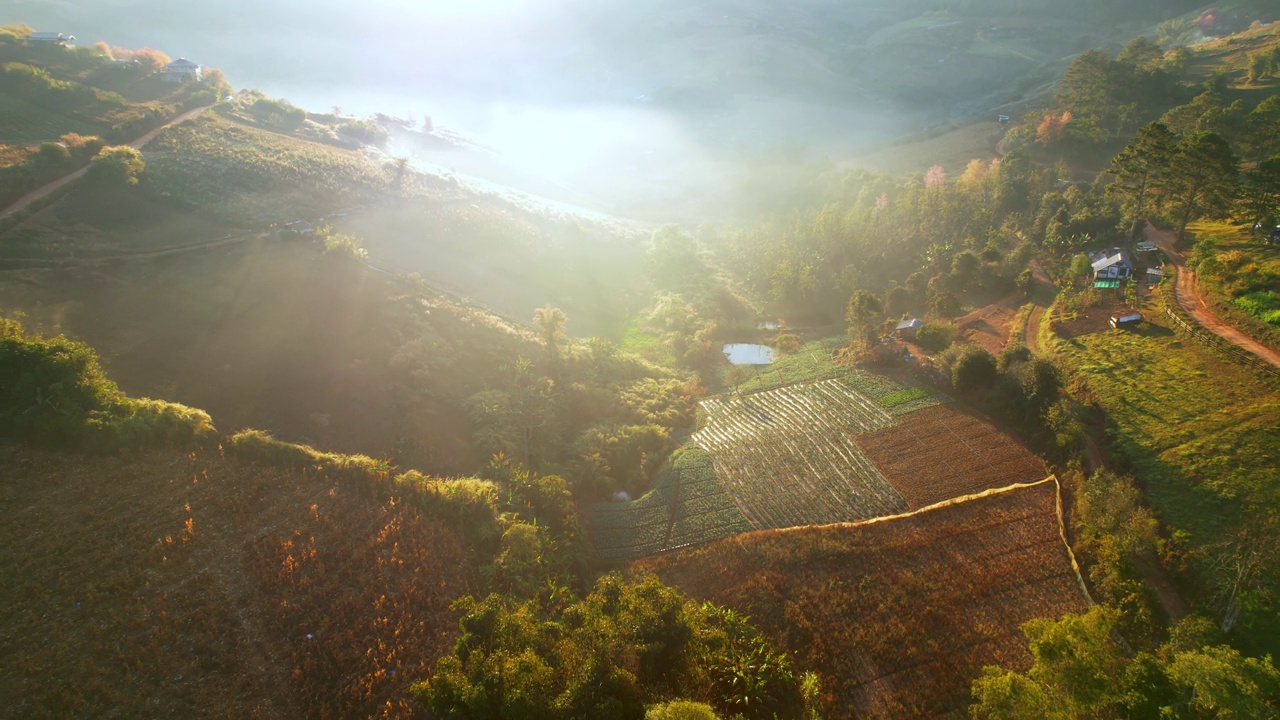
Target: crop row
{"x": 788, "y": 457}
{"x": 896, "y": 617}
{"x": 940, "y": 453}
{"x": 688, "y": 506}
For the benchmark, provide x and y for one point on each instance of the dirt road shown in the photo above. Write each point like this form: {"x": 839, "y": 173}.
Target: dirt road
{"x": 1189, "y": 299}
{"x": 44, "y": 191}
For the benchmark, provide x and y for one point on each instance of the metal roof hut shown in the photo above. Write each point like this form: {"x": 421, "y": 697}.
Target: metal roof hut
{"x": 907, "y": 328}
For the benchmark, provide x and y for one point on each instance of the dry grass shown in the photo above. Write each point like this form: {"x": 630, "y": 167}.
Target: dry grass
{"x": 176, "y": 585}
{"x": 897, "y": 616}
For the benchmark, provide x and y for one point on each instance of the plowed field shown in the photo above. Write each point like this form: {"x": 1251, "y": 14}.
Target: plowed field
{"x": 939, "y": 453}
{"x": 897, "y": 616}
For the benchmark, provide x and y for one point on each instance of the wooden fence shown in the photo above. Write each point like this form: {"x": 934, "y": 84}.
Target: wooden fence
{"x": 1191, "y": 327}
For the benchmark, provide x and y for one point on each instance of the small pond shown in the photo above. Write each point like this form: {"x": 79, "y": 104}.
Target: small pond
{"x": 748, "y": 354}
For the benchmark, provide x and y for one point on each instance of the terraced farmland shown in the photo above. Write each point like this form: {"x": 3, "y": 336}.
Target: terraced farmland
{"x": 835, "y": 450}
{"x": 788, "y": 457}
{"x": 940, "y": 453}
{"x": 688, "y": 506}
{"x": 896, "y": 616}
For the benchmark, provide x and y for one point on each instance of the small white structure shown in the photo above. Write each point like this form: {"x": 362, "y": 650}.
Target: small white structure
{"x": 182, "y": 70}
{"x": 1112, "y": 264}
{"x": 1129, "y": 319}
{"x": 50, "y": 38}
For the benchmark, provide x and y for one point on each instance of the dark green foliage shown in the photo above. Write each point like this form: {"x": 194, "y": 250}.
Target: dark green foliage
{"x": 1259, "y": 197}
{"x": 863, "y": 313}
{"x": 1202, "y": 178}
{"x": 279, "y": 113}
{"x": 622, "y": 647}
{"x": 972, "y": 368}
{"x": 1139, "y": 167}
{"x": 53, "y": 391}
{"x": 116, "y": 166}
{"x": 1080, "y": 671}
{"x": 935, "y": 336}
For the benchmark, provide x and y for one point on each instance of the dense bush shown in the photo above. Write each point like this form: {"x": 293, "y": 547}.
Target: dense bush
{"x": 53, "y": 390}
{"x": 936, "y": 336}
{"x": 607, "y": 656}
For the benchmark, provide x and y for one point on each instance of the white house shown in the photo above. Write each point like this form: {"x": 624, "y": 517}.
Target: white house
{"x": 1111, "y": 265}
{"x": 182, "y": 70}
{"x": 50, "y": 38}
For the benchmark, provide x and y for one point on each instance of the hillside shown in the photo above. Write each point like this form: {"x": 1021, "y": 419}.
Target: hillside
{"x": 187, "y": 584}
{"x": 896, "y": 616}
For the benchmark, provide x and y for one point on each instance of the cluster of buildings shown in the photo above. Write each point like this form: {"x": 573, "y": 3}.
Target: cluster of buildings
{"x": 179, "y": 71}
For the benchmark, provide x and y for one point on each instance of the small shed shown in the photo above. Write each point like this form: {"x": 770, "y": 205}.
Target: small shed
{"x": 907, "y": 329}
{"x": 1126, "y": 319}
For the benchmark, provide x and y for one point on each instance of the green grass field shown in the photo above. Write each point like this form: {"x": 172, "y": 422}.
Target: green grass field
{"x": 1201, "y": 434}
{"x": 688, "y": 506}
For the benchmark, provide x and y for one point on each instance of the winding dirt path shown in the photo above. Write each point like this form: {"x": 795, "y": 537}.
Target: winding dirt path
{"x": 1189, "y": 299}
{"x": 137, "y": 144}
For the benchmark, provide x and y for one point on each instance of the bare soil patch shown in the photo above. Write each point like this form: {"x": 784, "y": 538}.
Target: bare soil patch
{"x": 940, "y": 453}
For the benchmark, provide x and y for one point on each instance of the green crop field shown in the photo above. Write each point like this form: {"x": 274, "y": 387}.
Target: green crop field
{"x": 688, "y": 507}
{"x": 793, "y": 455}
{"x": 788, "y": 457}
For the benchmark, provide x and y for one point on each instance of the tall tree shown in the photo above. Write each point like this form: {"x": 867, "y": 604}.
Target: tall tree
{"x": 549, "y": 322}
{"x": 1259, "y": 197}
{"x": 863, "y": 312}
{"x": 1139, "y": 167}
{"x": 1202, "y": 179}
{"x": 1262, "y": 134}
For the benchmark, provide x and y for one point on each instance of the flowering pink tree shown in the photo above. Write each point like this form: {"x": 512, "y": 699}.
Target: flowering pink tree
{"x": 935, "y": 178}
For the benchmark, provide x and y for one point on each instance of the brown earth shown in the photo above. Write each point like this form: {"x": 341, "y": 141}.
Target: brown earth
{"x": 896, "y": 616}
{"x": 175, "y": 584}
{"x": 988, "y": 327}
{"x": 940, "y": 453}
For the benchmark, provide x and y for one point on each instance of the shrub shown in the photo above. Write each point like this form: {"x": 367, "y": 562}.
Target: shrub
{"x": 53, "y": 390}
{"x": 680, "y": 710}
{"x": 348, "y": 246}
{"x": 260, "y": 446}
{"x": 367, "y": 132}
{"x": 116, "y": 165}
{"x": 972, "y": 368}
{"x": 936, "y": 336}
{"x": 787, "y": 343}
